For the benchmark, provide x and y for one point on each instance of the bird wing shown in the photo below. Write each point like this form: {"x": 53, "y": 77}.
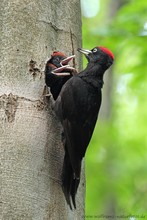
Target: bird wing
{"x": 78, "y": 111}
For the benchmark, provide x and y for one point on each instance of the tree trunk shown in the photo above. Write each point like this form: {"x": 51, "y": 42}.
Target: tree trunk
{"x": 105, "y": 113}
{"x": 31, "y": 153}
{"x": 108, "y": 97}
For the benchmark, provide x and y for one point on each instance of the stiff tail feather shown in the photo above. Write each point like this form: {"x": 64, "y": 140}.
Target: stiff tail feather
{"x": 73, "y": 191}
{"x": 69, "y": 182}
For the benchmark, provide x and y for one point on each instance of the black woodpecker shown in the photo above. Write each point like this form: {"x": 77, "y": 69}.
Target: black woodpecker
{"x": 77, "y": 107}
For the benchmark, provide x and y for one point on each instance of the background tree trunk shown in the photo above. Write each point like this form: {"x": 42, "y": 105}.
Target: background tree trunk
{"x": 31, "y": 153}
{"x": 107, "y": 103}
{"x": 108, "y": 97}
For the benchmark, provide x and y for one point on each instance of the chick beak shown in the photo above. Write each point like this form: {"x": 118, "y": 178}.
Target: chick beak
{"x": 58, "y": 71}
{"x": 67, "y": 60}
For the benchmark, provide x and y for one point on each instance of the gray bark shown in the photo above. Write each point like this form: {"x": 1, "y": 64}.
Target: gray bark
{"x": 31, "y": 153}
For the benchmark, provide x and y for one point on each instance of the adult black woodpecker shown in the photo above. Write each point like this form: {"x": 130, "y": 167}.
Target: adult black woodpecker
{"x": 77, "y": 107}
{"x": 57, "y": 72}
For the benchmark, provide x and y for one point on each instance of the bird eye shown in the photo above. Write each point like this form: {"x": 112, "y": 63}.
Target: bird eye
{"x": 57, "y": 59}
{"x": 95, "y": 50}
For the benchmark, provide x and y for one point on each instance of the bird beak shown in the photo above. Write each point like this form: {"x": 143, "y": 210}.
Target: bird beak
{"x": 65, "y": 68}
{"x": 67, "y": 60}
{"x": 84, "y": 51}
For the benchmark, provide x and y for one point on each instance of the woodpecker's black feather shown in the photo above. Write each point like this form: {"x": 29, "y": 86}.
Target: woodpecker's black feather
{"x": 77, "y": 107}
{"x": 53, "y": 81}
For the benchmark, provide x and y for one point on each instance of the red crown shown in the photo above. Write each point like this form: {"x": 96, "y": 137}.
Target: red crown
{"x": 58, "y": 53}
{"x": 107, "y": 51}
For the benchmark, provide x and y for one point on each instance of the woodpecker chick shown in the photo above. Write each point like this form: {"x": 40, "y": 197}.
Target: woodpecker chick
{"x": 57, "y": 72}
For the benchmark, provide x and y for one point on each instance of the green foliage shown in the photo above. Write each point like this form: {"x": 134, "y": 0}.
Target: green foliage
{"x": 116, "y": 161}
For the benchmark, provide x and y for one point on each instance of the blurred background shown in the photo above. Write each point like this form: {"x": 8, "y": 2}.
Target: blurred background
{"x": 116, "y": 160}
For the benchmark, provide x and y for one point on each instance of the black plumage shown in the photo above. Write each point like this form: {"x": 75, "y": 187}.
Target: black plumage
{"x": 77, "y": 107}
{"x": 55, "y": 82}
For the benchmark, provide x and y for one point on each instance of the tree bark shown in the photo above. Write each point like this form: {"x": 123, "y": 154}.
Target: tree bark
{"x": 31, "y": 152}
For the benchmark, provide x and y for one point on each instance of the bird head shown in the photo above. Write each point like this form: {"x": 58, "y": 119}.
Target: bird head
{"x": 59, "y": 63}
{"x": 59, "y": 59}
{"x": 99, "y": 55}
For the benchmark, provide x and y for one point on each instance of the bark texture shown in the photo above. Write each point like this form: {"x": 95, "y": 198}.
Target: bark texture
{"x": 31, "y": 153}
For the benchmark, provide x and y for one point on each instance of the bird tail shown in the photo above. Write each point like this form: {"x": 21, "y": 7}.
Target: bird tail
{"x": 69, "y": 182}
{"x": 73, "y": 191}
